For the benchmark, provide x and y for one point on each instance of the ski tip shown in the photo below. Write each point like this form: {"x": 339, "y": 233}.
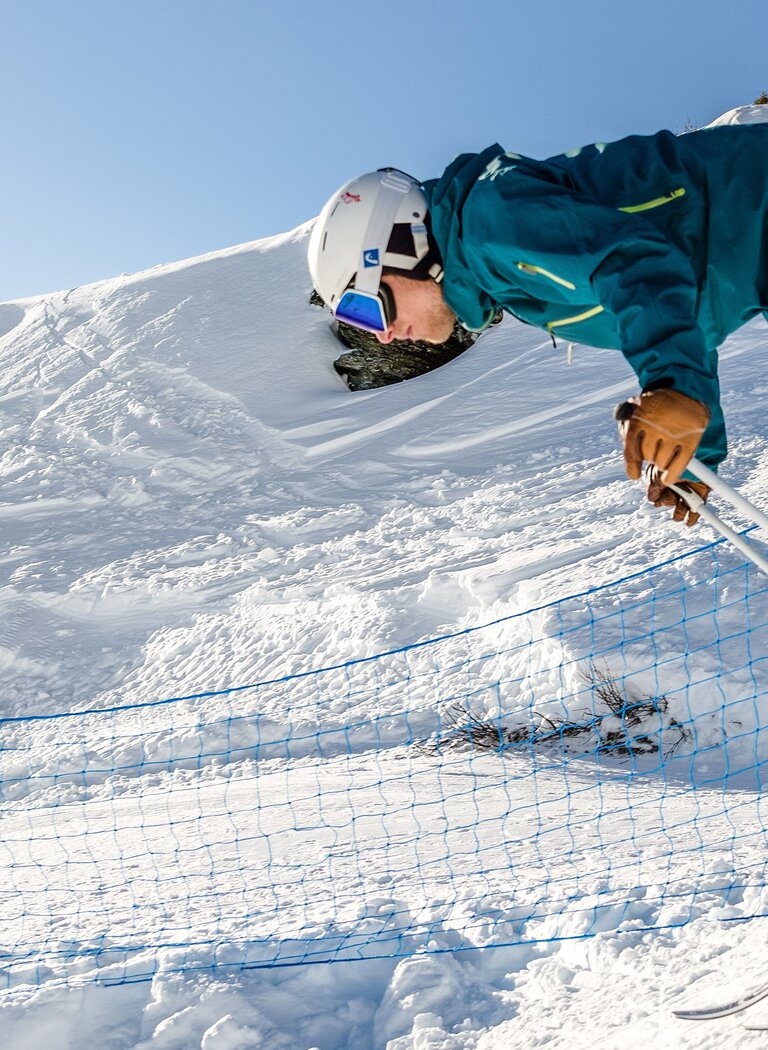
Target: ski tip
{"x": 709, "y": 1013}
{"x": 699, "y": 1015}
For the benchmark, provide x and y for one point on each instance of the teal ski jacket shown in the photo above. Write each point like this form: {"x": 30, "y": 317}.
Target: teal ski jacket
{"x": 656, "y": 246}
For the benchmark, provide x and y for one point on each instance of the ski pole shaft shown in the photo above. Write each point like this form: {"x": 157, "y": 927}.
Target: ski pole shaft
{"x": 729, "y": 494}
{"x": 738, "y": 541}
{"x": 697, "y": 504}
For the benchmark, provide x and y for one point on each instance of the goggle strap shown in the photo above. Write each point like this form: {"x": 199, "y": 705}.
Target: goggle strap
{"x": 387, "y": 300}
{"x": 393, "y": 187}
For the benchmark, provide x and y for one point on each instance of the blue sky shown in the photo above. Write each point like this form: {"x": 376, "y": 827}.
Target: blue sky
{"x": 142, "y": 132}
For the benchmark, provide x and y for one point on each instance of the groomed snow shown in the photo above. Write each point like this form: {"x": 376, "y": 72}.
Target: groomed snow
{"x": 191, "y": 501}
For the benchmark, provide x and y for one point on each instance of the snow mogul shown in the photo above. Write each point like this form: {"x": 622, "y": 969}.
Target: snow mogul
{"x": 656, "y": 246}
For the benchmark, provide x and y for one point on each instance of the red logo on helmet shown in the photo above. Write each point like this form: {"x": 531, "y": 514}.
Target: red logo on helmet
{"x": 351, "y": 198}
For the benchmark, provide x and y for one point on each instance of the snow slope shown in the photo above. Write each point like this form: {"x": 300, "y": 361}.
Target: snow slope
{"x": 192, "y": 501}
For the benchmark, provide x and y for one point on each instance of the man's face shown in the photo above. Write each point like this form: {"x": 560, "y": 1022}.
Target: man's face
{"x": 422, "y": 312}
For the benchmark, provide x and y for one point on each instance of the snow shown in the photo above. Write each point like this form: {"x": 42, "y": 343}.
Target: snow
{"x": 743, "y": 115}
{"x": 193, "y": 501}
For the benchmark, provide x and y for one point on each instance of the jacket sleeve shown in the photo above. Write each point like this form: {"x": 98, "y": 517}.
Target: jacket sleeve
{"x": 618, "y": 261}
{"x": 713, "y": 447}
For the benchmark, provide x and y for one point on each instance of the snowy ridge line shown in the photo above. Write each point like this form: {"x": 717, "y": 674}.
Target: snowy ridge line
{"x": 360, "y": 661}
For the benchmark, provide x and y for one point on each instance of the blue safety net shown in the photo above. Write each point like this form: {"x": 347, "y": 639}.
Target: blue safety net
{"x": 590, "y": 764}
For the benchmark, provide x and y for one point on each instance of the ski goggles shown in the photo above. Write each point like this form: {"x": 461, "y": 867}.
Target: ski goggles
{"x": 371, "y": 311}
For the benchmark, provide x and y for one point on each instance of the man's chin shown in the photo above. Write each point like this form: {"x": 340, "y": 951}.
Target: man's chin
{"x": 438, "y": 336}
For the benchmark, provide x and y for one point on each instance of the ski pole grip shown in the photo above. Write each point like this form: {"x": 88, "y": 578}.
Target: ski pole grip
{"x": 693, "y": 499}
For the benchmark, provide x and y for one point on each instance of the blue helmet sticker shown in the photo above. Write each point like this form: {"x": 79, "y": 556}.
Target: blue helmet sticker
{"x": 371, "y": 257}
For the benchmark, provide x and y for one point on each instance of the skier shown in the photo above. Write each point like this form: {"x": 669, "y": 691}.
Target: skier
{"x": 653, "y": 245}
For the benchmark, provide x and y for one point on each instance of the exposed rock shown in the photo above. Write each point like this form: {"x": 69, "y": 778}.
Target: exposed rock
{"x": 368, "y": 364}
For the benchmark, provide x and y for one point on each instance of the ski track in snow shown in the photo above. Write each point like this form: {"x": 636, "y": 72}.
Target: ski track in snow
{"x": 191, "y": 500}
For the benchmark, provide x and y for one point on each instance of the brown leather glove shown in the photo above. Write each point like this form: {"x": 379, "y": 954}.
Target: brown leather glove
{"x": 663, "y": 427}
{"x": 661, "y": 496}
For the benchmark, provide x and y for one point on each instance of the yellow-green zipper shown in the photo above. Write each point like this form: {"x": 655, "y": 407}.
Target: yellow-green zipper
{"x": 578, "y": 317}
{"x": 656, "y": 203}
{"x": 529, "y": 268}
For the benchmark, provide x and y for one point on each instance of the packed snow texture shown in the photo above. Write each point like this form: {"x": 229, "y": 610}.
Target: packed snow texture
{"x": 193, "y": 501}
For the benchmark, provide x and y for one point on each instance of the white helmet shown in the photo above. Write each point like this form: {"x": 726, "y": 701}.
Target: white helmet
{"x": 377, "y": 220}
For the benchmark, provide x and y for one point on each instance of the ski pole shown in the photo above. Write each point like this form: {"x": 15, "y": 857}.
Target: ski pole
{"x": 729, "y": 494}
{"x": 699, "y": 506}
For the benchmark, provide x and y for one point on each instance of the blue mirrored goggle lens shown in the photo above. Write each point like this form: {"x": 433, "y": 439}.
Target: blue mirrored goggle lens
{"x": 362, "y": 310}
